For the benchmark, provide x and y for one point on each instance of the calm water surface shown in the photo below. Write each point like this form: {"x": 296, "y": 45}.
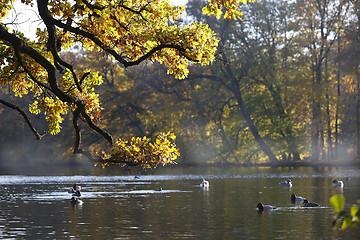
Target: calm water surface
{"x": 118, "y": 206}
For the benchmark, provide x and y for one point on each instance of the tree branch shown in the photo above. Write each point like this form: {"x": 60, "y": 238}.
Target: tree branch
{"x": 33, "y": 78}
{"x": 76, "y": 30}
{"x": 77, "y": 149}
{"x": 136, "y": 11}
{"x": 91, "y": 6}
{"x": 21, "y": 46}
{"x": 82, "y": 111}
{"x": 54, "y": 45}
{"x": 27, "y": 120}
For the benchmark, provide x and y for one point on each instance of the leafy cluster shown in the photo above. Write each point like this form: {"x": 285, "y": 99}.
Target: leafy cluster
{"x": 143, "y": 152}
{"x": 4, "y": 7}
{"x": 134, "y": 29}
{"x": 348, "y": 219}
{"x": 232, "y": 8}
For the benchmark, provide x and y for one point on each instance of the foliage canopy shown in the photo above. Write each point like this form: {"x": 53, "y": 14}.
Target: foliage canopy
{"x": 126, "y": 31}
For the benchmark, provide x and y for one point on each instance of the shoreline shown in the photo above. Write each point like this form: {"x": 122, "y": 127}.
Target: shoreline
{"x": 334, "y": 163}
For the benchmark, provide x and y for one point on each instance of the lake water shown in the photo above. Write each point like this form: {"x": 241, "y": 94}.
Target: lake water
{"x": 118, "y": 206}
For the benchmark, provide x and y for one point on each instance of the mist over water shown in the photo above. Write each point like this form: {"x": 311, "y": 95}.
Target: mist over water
{"x": 116, "y": 205}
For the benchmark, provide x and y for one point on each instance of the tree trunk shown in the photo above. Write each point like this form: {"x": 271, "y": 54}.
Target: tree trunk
{"x": 252, "y": 127}
{"x": 238, "y": 95}
{"x": 316, "y": 114}
{"x": 329, "y": 152}
{"x": 337, "y": 102}
{"x": 288, "y": 134}
{"x": 358, "y": 113}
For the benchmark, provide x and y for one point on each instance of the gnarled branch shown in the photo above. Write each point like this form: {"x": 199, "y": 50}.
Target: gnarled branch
{"x": 26, "y": 118}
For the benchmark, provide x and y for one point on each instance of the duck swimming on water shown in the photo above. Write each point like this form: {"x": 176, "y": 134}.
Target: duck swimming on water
{"x": 74, "y": 189}
{"x": 261, "y": 207}
{"x": 297, "y": 199}
{"x": 286, "y": 183}
{"x": 310, "y": 204}
{"x": 204, "y": 183}
{"x": 76, "y": 194}
{"x": 338, "y": 183}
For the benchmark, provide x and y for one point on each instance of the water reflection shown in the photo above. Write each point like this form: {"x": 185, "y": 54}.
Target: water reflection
{"x": 122, "y": 206}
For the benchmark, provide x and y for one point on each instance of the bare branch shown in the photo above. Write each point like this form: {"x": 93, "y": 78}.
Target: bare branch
{"x": 81, "y": 109}
{"x": 83, "y": 77}
{"x": 27, "y": 120}
{"x": 76, "y": 115}
{"x": 77, "y": 149}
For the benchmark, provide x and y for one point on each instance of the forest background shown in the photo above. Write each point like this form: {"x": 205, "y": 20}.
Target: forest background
{"x": 292, "y": 66}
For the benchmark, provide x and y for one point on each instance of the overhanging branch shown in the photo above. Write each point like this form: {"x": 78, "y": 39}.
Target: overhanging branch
{"x": 49, "y": 20}
{"x": 27, "y": 120}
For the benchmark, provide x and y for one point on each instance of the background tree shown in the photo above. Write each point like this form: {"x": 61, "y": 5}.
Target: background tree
{"x": 321, "y": 23}
{"x": 268, "y": 56}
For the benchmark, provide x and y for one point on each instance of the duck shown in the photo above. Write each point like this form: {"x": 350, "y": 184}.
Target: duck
{"x": 286, "y": 183}
{"x": 297, "y": 199}
{"x": 338, "y": 183}
{"x": 261, "y": 207}
{"x": 310, "y": 204}
{"x": 158, "y": 190}
{"x": 74, "y": 189}
{"x": 77, "y": 194}
{"x": 204, "y": 183}
{"x": 76, "y": 201}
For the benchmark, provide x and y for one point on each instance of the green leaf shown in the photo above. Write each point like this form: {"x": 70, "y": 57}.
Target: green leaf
{"x": 354, "y": 210}
{"x": 346, "y": 222}
{"x": 337, "y": 202}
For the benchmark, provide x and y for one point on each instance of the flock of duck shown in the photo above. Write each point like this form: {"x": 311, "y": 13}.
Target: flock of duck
{"x": 75, "y": 191}
{"x": 296, "y": 199}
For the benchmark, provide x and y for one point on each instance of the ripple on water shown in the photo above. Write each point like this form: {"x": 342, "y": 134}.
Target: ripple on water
{"x": 114, "y": 204}
{"x": 145, "y": 179}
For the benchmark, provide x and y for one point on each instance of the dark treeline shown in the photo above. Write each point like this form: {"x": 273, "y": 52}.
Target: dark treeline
{"x": 285, "y": 87}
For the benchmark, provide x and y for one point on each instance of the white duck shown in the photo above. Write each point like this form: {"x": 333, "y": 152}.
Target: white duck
{"x": 286, "y": 183}
{"x": 261, "y": 207}
{"x": 338, "y": 183}
{"x": 204, "y": 183}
